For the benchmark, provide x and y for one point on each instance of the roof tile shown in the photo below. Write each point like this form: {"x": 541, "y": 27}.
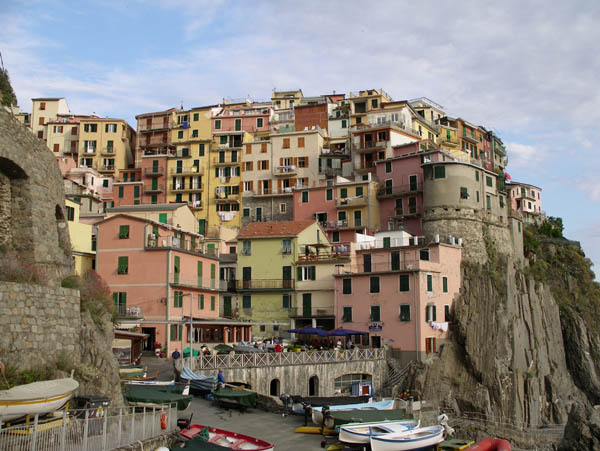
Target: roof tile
{"x": 276, "y": 229}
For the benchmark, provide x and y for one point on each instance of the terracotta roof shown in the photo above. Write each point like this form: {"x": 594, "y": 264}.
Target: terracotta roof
{"x": 274, "y": 229}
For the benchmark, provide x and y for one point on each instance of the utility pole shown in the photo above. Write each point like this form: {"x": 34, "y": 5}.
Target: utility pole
{"x": 191, "y": 327}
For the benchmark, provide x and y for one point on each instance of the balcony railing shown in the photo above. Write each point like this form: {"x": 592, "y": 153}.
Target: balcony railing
{"x": 340, "y": 224}
{"x": 216, "y": 161}
{"x": 108, "y": 151}
{"x": 155, "y": 125}
{"x": 355, "y": 201}
{"x": 332, "y": 172}
{"x": 161, "y": 151}
{"x": 267, "y": 192}
{"x": 284, "y": 170}
{"x": 129, "y": 312}
{"x": 370, "y": 145}
{"x": 106, "y": 168}
{"x": 301, "y": 312}
{"x": 269, "y": 359}
{"x": 400, "y": 189}
{"x": 326, "y": 256}
{"x": 154, "y": 189}
{"x": 187, "y": 188}
{"x": 182, "y": 243}
{"x": 403, "y": 212}
{"x": 265, "y": 284}
{"x": 154, "y": 171}
{"x": 196, "y": 205}
{"x": 193, "y": 281}
{"x": 227, "y": 285}
{"x": 403, "y": 265}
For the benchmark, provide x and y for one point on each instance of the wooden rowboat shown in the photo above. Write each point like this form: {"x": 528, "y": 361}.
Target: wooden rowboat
{"x": 226, "y": 439}
{"x": 37, "y": 397}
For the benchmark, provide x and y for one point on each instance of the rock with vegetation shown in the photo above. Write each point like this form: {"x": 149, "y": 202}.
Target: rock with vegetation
{"x": 7, "y": 95}
{"x": 583, "y": 429}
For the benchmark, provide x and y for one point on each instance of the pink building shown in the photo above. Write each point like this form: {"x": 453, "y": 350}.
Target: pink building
{"x": 400, "y": 192}
{"x": 527, "y": 200}
{"x": 252, "y": 118}
{"x": 161, "y": 275}
{"x": 402, "y": 295}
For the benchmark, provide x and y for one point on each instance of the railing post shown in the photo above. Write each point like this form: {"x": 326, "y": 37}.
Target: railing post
{"x": 120, "y": 426}
{"x": 132, "y": 424}
{"x": 63, "y": 432}
{"x": 144, "y": 424}
{"x": 85, "y": 429}
{"x": 35, "y": 431}
{"x": 104, "y": 434}
{"x": 153, "y": 419}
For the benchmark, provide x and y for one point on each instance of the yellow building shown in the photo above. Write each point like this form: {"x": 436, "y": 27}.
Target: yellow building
{"x": 362, "y": 102}
{"x": 81, "y": 239}
{"x": 106, "y": 144}
{"x": 44, "y": 110}
{"x": 283, "y": 103}
{"x": 357, "y": 205}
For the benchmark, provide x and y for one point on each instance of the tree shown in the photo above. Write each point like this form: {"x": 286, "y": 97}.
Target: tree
{"x": 552, "y": 227}
{"x": 7, "y": 95}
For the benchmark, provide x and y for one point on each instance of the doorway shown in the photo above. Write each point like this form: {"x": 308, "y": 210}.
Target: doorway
{"x": 274, "y": 388}
{"x": 313, "y": 386}
{"x": 149, "y": 342}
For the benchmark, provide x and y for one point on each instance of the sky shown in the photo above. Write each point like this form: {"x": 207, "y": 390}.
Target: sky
{"x": 528, "y": 70}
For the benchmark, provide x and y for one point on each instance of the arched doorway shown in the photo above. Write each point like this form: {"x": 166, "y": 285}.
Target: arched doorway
{"x": 313, "y": 386}
{"x": 275, "y": 388}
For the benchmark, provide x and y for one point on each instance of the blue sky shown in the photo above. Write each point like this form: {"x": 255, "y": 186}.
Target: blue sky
{"x": 529, "y": 70}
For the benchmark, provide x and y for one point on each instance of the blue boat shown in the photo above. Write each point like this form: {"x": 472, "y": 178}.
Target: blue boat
{"x": 199, "y": 384}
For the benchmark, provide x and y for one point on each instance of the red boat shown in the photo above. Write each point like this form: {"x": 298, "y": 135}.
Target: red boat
{"x": 491, "y": 444}
{"x": 227, "y": 439}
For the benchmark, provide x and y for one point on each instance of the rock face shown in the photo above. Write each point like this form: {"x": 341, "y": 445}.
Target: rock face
{"x": 583, "y": 429}
{"x": 32, "y": 201}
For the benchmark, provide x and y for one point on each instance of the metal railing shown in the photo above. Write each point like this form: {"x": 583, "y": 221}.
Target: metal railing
{"x": 155, "y": 125}
{"x": 300, "y": 311}
{"x": 181, "y": 243}
{"x": 266, "y": 284}
{"x": 264, "y": 359}
{"x": 194, "y": 282}
{"x": 406, "y": 265}
{"x": 400, "y": 189}
{"x": 86, "y": 430}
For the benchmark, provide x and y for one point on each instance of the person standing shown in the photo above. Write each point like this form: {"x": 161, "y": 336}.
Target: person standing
{"x": 220, "y": 379}
{"x": 177, "y": 365}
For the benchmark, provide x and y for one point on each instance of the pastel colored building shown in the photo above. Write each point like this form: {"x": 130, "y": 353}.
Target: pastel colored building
{"x": 62, "y": 135}
{"x": 296, "y": 287}
{"x": 401, "y": 295}
{"x": 362, "y": 102}
{"x": 400, "y": 191}
{"x": 527, "y": 200}
{"x": 44, "y": 110}
{"x": 82, "y": 248}
{"x": 313, "y": 113}
{"x": 403, "y": 116}
{"x": 106, "y": 144}
{"x": 161, "y": 277}
{"x": 283, "y": 104}
{"x": 472, "y": 143}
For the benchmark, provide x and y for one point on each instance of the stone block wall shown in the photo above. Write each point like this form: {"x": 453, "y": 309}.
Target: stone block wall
{"x": 40, "y": 325}
{"x": 271, "y": 210}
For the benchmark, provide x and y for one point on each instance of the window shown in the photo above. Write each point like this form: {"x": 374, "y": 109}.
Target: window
{"x": 110, "y": 128}
{"x": 307, "y": 273}
{"x": 123, "y": 232}
{"x": 439, "y": 172}
{"x": 123, "y": 265}
{"x": 120, "y": 302}
{"x": 429, "y": 283}
{"x": 476, "y": 176}
{"x": 424, "y": 254}
{"x": 286, "y": 143}
{"x": 388, "y": 167}
{"x": 477, "y": 196}
{"x": 286, "y": 246}
{"x": 302, "y": 162}
{"x": 464, "y": 193}
{"x": 176, "y": 332}
{"x": 488, "y": 181}
{"x": 304, "y": 197}
{"x": 374, "y": 103}
{"x": 301, "y": 142}
{"x": 212, "y": 303}
{"x": 329, "y": 194}
{"x": 344, "y": 123}
{"x": 246, "y": 247}
{"x": 286, "y": 301}
{"x": 404, "y": 282}
{"x": 70, "y": 213}
{"x": 246, "y": 301}
{"x": 346, "y": 286}
{"x": 335, "y": 237}
{"x": 404, "y": 312}
{"x": 195, "y": 133}
{"x": 445, "y": 284}
{"x": 201, "y": 150}
{"x": 120, "y": 191}
{"x": 263, "y": 148}
{"x": 178, "y": 299}
{"x": 488, "y": 202}
{"x": 91, "y": 128}
{"x": 430, "y": 313}
{"x": 501, "y": 201}
{"x": 375, "y": 313}
{"x": 344, "y": 193}
{"x": 259, "y": 122}
{"x": 359, "y": 191}
{"x": 374, "y": 284}
{"x": 347, "y": 315}
{"x": 357, "y": 218}
{"x": 162, "y": 218}
{"x": 217, "y": 124}
{"x": 201, "y": 301}
{"x": 282, "y": 208}
{"x": 238, "y": 125}
{"x": 74, "y": 131}
{"x": 42, "y": 105}
{"x": 246, "y": 212}
{"x": 447, "y": 313}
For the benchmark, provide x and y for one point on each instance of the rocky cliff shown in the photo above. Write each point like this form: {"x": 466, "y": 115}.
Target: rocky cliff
{"x": 522, "y": 351}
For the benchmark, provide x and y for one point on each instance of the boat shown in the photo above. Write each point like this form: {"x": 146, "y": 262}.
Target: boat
{"x": 317, "y": 415}
{"x": 151, "y": 382}
{"x": 409, "y": 440}
{"x": 199, "y": 383}
{"x": 491, "y": 444}
{"x": 199, "y": 435}
{"x": 235, "y": 397}
{"x": 315, "y": 430}
{"x": 131, "y": 371}
{"x": 455, "y": 444}
{"x": 341, "y": 417}
{"x": 299, "y": 402}
{"x": 360, "y": 432}
{"x": 36, "y": 398}
{"x": 140, "y": 378}
{"x": 157, "y": 396}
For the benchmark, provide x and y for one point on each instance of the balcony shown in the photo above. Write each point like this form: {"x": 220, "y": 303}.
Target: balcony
{"x": 193, "y": 188}
{"x": 314, "y": 312}
{"x": 327, "y": 152}
{"x": 452, "y": 141}
{"x": 351, "y": 202}
{"x": 106, "y": 168}
{"x": 327, "y": 256}
{"x": 107, "y": 151}
{"x": 268, "y": 192}
{"x": 204, "y": 283}
{"x": 370, "y": 146}
{"x": 129, "y": 312}
{"x": 88, "y": 152}
{"x": 155, "y": 141}
{"x": 341, "y": 224}
{"x": 265, "y": 284}
{"x": 411, "y": 211}
{"x": 165, "y": 242}
{"x": 369, "y": 166}
{"x": 158, "y": 152}
{"x": 284, "y": 170}
{"x": 403, "y": 265}
{"x": 332, "y": 172}
{"x": 216, "y": 161}
{"x": 227, "y": 197}
{"x": 154, "y": 189}
{"x": 399, "y": 190}
{"x": 155, "y": 171}
{"x": 196, "y": 205}
{"x": 227, "y": 285}
{"x": 160, "y": 125}
{"x": 194, "y": 170}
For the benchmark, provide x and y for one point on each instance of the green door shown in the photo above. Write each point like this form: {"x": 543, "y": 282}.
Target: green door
{"x": 155, "y": 184}
{"x": 307, "y": 305}
{"x": 154, "y": 165}
{"x": 227, "y": 306}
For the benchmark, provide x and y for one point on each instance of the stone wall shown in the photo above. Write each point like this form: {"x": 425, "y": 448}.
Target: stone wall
{"x": 40, "y": 325}
{"x": 294, "y": 378}
{"x": 270, "y": 208}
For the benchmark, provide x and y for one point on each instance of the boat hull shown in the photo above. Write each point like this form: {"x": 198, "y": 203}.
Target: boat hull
{"x": 491, "y": 444}
{"x": 317, "y": 414}
{"x": 407, "y": 441}
{"x": 360, "y": 433}
{"x": 228, "y": 439}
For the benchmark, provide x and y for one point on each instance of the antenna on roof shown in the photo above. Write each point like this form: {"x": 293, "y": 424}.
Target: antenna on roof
{"x": 181, "y": 107}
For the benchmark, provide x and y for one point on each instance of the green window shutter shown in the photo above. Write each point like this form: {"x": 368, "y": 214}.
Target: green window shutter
{"x": 154, "y": 184}
{"x": 162, "y": 218}
{"x": 434, "y": 313}
{"x": 123, "y": 231}
{"x": 177, "y": 264}
{"x": 173, "y": 331}
{"x": 375, "y": 313}
{"x": 429, "y": 282}
{"x": 201, "y": 226}
{"x": 120, "y": 191}
{"x": 136, "y": 191}
{"x": 445, "y": 284}
{"x": 212, "y": 303}
{"x": 346, "y": 286}
{"x": 299, "y": 273}
{"x": 359, "y": 191}
{"x": 344, "y": 193}
{"x": 404, "y": 282}
{"x": 155, "y": 231}
{"x": 199, "y": 269}
{"x": 201, "y": 301}
{"x": 313, "y": 273}
{"x": 212, "y": 275}
{"x": 116, "y": 301}
{"x": 387, "y": 242}
{"x": 123, "y": 265}
{"x": 247, "y": 301}
{"x": 388, "y": 167}
{"x": 329, "y": 194}
{"x": 286, "y": 301}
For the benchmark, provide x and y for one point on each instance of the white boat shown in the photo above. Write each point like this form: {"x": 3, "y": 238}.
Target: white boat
{"x": 37, "y": 397}
{"x": 361, "y": 432}
{"x": 317, "y": 415}
{"x": 410, "y": 440}
{"x": 162, "y": 383}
